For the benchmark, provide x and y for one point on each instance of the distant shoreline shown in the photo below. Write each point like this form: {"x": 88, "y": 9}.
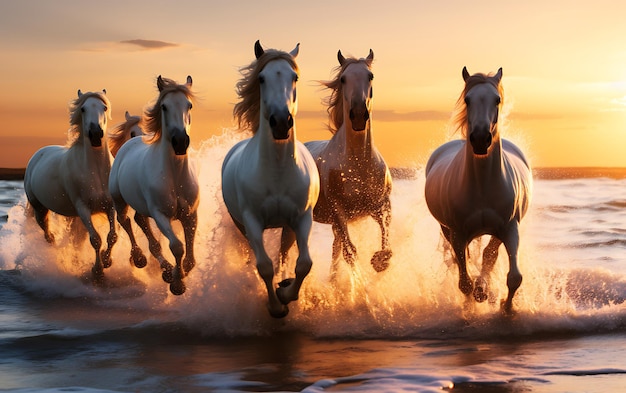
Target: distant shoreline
{"x": 548, "y": 173}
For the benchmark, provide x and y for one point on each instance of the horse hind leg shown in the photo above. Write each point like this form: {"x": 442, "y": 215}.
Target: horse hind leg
{"x": 177, "y": 287}
{"x": 41, "y": 216}
{"x": 380, "y": 259}
{"x": 490, "y": 255}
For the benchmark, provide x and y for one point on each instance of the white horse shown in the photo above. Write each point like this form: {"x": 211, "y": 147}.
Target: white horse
{"x": 481, "y": 187}
{"x": 270, "y": 180}
{"x": 355, "y": 181}
{"x": 154, "y": 177}
{"x": 72, "y": 181}
{"x": 124, "y": 131}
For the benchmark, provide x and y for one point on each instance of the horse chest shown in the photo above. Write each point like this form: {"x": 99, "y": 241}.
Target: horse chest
{"x": 357, "y": 189}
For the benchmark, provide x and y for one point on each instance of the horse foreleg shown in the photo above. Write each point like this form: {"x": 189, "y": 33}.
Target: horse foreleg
{"x": 155, "y": 248}
{"x": 380, "y": 259}
{"x": 287, "y": 239}
{"x": 136, "y": 255}
{"x": 459, "y": 246}
{"x": 94, "y": 238}
{"x": 514, "y": 277}
{"x": 334, "y": 264}
{"x": 254, "y": 233}
{"x": 111, "y": 238}
{"x": 190, "y": 223}
{"x": 340, "y": 230}
{"x": 289, "y": 289}
{"x": 490, "y": 255}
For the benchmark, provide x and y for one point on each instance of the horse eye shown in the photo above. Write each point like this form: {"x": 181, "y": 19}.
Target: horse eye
{"x": 371, "y": 76}
{"x": 106, "y": 108}
{"x": 261, "y": 79}
{"x": 467, "y": 101}
{"x": 343, "y": 79}
{"x": 82, "y": 110}
{"x": 190, "y": 106}
{"x": 371, "y": 92}
{"x": 295, "y": 78}
{"x": 163, "y": 108}
{"x": 498, "y": 100}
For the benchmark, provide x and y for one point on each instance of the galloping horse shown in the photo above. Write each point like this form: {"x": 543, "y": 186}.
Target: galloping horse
{"x": 354, "y": 178}
{"x": 270, "y": 180}
{"x": 481, "y": 185}
{"x": 154, "y": 177}
{"x": 124, "y": 131}
{"x": 72, "y": 181}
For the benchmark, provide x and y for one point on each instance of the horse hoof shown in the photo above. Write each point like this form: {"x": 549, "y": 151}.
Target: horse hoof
{"x": 178, "y": 287}
{"x": 380, "y": 260}
{"x": 480, "y": 295}
{"x": 281, "y": 314}
{"x": 280, "y": 291}
{"x": 97, "y": 275}
{"x": 138, "y": 259}
{"x": 168, "y": 275}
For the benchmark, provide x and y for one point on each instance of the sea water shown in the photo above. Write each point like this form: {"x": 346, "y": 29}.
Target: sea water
{"x": 406, "y": 329}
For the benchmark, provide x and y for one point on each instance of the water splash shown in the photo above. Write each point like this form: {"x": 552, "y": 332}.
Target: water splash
{"x": 416, "y": 297}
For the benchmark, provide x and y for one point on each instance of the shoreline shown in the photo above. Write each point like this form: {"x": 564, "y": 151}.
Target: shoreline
{"x": 544, "y": 173}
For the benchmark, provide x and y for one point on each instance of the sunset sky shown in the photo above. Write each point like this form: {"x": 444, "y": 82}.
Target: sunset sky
{"x": 564, "y": 66}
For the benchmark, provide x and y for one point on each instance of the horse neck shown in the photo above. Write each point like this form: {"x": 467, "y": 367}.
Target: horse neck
{"x": 356, "y": 143}
{"x": 272, "y": 152}
{"x": 483, "y": 171}
{"x": 98, "y": 156}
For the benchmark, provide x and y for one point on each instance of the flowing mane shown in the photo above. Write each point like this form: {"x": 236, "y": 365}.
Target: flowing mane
{"x": 335, "y": 100}
{"x": 76, "y": 116}
{"x": 119, "y": 134}
{"x": 459, "y": 120}
{"x": 151, "y": 121}
{"x": 246, "y": 111}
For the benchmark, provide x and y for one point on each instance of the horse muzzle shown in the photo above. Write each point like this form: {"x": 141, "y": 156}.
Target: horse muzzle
{"x": 481, "y": 141}
{"x": 281, "y": 125}
{"x": 359, "y": 117}
{"x": 180, "y": 142}
{"x": 95, "y": 135}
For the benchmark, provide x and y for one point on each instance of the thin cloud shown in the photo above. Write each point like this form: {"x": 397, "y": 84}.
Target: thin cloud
{"x": 150, "y": 44}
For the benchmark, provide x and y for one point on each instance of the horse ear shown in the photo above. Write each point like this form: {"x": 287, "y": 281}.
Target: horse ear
{"x": 127, "y": 116}
{"x": 370, "y": 58}
{"x": 340, "y": 57}
{"x": 258, "y": 49}
{"x": 465, "y": 74}
{"x": 498, "y": 75}
{"x": 189, "y": 81}
{"x": 295, "y": 51}
{"x": 160, "y": 84}
{"x": 80, "y": 93}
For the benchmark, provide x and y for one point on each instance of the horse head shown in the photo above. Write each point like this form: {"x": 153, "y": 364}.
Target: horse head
{"x": 279, "y": 102}
{"x": 175, "y": 106}
{"x": 94, "y": 111}
{"x": 356, "y": 84}
{"x": 482, "y": 100}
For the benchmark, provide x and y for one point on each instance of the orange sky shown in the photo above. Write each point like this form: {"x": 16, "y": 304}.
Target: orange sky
{"x": 564, "y": 66}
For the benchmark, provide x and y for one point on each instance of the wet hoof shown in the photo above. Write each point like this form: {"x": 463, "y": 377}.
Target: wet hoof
{"x": 280, "y": 291}
{"x": 106, "y": 259}
{"x": 380, "y": 260}
{"x": 480, "y": 295}
{"x": 137, "y": 258}
{"x": 178, "y": 287}
{"x": 506, "y": 308}
{"x": 97, "y": 276}
{"x": 168, "y": 275}
{"x": 188, "y": 265}
{"x": 281, "y": 314}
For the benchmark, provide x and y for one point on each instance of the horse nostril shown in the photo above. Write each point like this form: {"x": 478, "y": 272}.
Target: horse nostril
{"x": 352, "y": 114}
{"x": 272, "y": 121}
{"x": 290, "y": 122}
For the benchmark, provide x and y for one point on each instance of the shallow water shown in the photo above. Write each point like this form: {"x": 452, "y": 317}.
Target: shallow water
{"x": 407, "y": 329}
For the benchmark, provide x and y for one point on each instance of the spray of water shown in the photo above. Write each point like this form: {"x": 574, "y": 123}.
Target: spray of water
{"x": 416, "y": 297}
